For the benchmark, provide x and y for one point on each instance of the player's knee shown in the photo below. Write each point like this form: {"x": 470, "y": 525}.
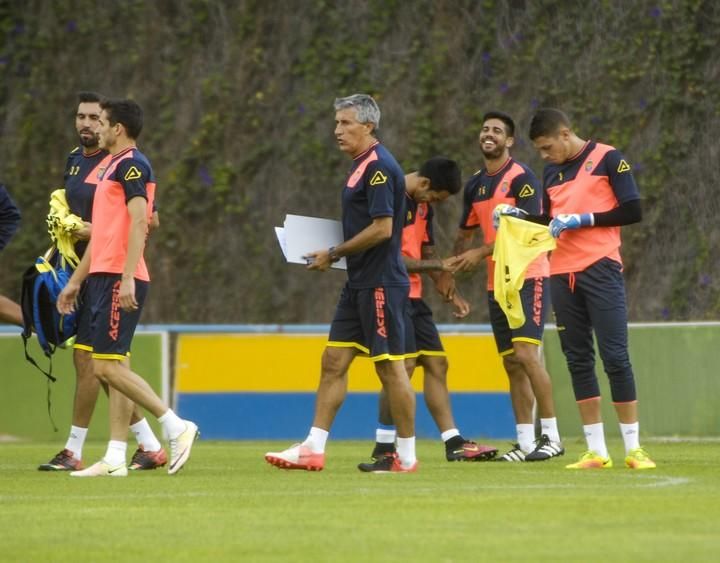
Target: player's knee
{"x": 513, "y": 366}
{"x": 436, "y": 368}
{"x": 101, "y": 370}
{"x": 334, "y": 362}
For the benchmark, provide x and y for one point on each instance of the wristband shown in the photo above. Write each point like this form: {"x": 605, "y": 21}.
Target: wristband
{"x": 332, "y": 254}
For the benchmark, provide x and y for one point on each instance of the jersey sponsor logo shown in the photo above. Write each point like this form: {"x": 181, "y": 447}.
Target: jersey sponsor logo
{"x": 526, "y": 191}
{"x": 381, "y": 329}
{"x": 588, "y": 166}
{"x": 133, "y": 174}
{"x": 623, "y": 166}
{"x": 378, "y": 178}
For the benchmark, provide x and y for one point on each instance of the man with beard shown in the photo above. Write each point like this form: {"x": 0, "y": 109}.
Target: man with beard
{"x": 85, "y": 165}
{"x": 503, "y": 181}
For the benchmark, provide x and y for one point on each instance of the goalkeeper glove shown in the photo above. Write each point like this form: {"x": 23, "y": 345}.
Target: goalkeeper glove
{"x": 570, "y": 221}
{"x": 506, "y": 209}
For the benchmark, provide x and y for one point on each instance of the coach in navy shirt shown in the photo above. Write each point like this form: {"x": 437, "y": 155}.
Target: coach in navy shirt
{"x": 371, "y": 313}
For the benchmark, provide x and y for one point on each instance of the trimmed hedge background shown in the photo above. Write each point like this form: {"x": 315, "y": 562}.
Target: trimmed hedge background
{"x": 239, "y": 126}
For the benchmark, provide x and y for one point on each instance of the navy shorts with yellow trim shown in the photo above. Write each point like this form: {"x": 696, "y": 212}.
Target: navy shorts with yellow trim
{"x": 535, "y": 298}
{"x": 372, "y": 320}
{"x": 83, "y": 338}
{"x": 112, "y": 328}
{"x": 424, "y": 331}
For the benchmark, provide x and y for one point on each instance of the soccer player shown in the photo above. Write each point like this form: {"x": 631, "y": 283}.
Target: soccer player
{"x": 437, "y": 179}
{"x": 10, "y": 311}
{"x": 372, "y": 309}
{"x": 118, "y": 282}
{"x": 85, "y": 164}
{"x": 590, "y": 193}
{"x": 503, "y": 180}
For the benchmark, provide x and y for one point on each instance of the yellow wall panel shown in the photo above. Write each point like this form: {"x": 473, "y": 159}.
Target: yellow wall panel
{"x": 291, "y": 362}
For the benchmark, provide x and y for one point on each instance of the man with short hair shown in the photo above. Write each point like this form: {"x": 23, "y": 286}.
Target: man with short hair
{"x": 504, "y": 181}
{"x": 118, "y": 282}
{"x": 371, "y": 314}
{"x": 437, "y": 179}
{"x": 590, "y": 193}
{"x": 85, "y": 164}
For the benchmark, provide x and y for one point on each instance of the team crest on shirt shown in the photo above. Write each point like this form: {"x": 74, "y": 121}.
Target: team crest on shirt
{"x": 378, "y": 178}
{"x": 482, "y": 190}
{"x": 409, "y": 217}
{"x": 504, "y": 187}
{"x": 101, "y": 172}
{"x": 133, "y": 174}
{"x": 588, "y": 166}
{"x": 421, "y": 211}
{"x": 623, "y": 166}
{"x": 526, "y": 191}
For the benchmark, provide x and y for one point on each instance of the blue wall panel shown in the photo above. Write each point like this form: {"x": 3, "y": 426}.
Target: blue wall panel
{"x": 288, "y": 416}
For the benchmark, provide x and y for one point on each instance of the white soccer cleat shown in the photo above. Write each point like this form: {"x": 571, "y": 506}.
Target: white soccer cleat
{"x": 102, "y": 469}
{"x": 180, "y": 447}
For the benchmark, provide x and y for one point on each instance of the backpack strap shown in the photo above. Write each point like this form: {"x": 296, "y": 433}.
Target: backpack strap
{"x": 30, "y": 359}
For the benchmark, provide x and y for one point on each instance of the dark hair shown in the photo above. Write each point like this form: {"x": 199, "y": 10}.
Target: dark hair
{"x": 547, "y": 122}
{"x": 84, "y": 97}
{"x": 504, "y": 117}
{"x": 126, "y": 112}
{"x": 443, "y": 173}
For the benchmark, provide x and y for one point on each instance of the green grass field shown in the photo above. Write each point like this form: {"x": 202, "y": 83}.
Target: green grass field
{"x": 227, "y": 504}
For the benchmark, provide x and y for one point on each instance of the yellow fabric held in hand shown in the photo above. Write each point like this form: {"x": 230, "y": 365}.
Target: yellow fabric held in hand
{"x": 518, "y": 243}
{"x": 62, "y": 225}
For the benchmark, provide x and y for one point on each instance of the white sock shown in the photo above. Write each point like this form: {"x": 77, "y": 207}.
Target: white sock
{"x": 406, "y": 451}
{"x": 115, "y": 453}
{"x": 76, "y": 440}
{"x": 145, "y": 436}
{"x": 316, "y": 440}
{"x": 631, "y": 435}
{"x": 549, "y": 427}
{"x": 595, "y": 438}
{"x": 172, "y": 424}
{"x": 526, "y": 437}
{"x": 385, "y": 435}
{"x": 449, "y": 434}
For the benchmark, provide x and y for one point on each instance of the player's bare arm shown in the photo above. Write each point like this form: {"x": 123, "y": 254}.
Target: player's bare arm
{"x": 466, "y": 257}
{"x": 376, "y": 232}
{"x": 68, "y": 296}
{"x": 437, "y": 269}
{"x": 137, "y": 209}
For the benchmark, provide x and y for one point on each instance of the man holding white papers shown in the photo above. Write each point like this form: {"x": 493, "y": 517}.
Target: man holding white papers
{"x": 372, "y": 310}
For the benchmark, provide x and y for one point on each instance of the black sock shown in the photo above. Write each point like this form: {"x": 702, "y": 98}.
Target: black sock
{"x": 455, "y": 442}
{"x": 383, "y": 448}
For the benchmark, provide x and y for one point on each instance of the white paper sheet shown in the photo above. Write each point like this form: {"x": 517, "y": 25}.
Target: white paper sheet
{"x": 308, "y": 234}
{"x": 280, "y": 234}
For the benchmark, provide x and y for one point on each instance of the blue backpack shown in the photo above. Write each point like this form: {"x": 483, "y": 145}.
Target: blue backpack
{"x": 41, "y": 286}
